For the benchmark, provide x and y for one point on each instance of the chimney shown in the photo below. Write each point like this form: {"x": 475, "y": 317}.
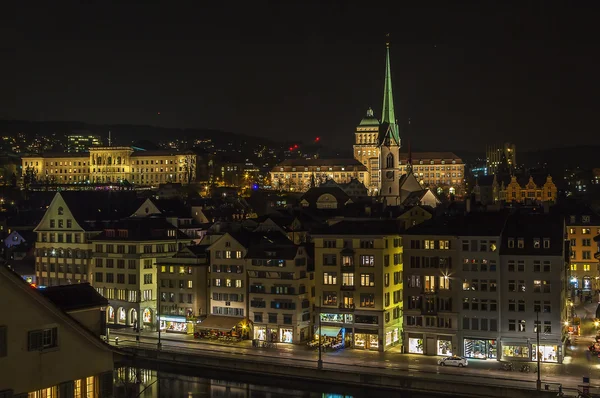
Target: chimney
{"x": 468, "y": 202}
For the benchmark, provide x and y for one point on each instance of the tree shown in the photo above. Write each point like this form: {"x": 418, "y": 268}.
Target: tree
{"x": 29, "y": 177}
{"x": 189, "y": 168}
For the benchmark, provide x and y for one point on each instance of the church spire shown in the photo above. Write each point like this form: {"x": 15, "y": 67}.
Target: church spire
{"x": 387, "y": 113}
{"x": 388, "y": 117}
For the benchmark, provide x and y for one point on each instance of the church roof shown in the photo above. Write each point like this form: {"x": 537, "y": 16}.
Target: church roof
{"x": 322, "y": 163}
{"x": 416, "y": 156}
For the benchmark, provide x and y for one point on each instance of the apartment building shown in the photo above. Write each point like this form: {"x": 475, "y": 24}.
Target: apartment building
{"x": 123, "y": 262}
{"x": 358, "y": 282}
{"x": 45, "y": 351}
{"x": 582, "y": 226}
{"x": 431, "y": 287}
{"x": 533, "y": 270}
{"x": 183, "y": 289}
{"x": 279, "y": 291}
{"x": 63, "y": 251}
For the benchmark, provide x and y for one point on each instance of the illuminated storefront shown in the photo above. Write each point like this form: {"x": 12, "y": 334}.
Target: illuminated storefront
{"x": 176, "y": 324}
{"x": 147, "y": 316}
{"x": 368, "y": 341}
{"x": 480, "y": 348}
{"x": 337, "y": 318}
{"x": 516, "y": 351}
{"x": 122, "y": 315}
{"x": 110, "y": 314}
{"x": 444, "y": 347}
{"x": 286, "y": 335}
{"x": 549, "y": 353}
{"x": 415, "y": 345}
{"x": 392, "y": 336}
{"x": 260, "y": 333}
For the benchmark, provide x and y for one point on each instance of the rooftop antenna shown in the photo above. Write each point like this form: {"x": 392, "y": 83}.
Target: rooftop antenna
{"x": 109, "y": 138}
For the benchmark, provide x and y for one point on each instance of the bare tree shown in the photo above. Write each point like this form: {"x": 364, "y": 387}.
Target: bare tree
{"x": 189, "y": 168}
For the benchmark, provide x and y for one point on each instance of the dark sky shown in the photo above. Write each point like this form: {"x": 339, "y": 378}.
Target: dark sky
{"x": 465, "y": 73}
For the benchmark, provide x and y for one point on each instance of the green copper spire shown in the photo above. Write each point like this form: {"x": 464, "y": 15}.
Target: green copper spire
{"x": 387, "y": 114}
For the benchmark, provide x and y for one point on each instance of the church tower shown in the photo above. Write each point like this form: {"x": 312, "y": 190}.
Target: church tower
{"x": 389, "y": 143}
{"x": 366, "y": 150}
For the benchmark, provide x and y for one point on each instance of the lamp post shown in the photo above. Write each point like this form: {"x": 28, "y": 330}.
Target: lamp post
{"x": 538, "y": 383}
{"x": 158, "y": 301}
{"x": 320, "y": 361}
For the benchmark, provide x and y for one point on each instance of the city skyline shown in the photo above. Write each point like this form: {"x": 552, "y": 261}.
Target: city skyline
{"x": 316, "y": 74}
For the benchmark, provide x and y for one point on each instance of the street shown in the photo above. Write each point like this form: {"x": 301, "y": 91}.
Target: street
{"x": 577, "y": 363}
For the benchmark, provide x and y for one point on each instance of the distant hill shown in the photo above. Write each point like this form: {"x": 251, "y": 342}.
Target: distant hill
{"x": 124, "y": 134}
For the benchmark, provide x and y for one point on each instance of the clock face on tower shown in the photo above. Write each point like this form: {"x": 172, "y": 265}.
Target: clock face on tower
{"x": 389, "y": 175}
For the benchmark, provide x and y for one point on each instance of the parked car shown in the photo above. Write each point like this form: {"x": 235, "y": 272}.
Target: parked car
{"x": 453, "y": 361}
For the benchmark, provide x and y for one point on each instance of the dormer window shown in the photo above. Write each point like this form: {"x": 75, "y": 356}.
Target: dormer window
{"x": 546, "y": 243}
{"x": 572, "y": 218}
{"x": 511, "y": 243}
{"x": 61, "y": 211}
{"x": 536, "y": 243}
{"x": 171, "y": 232}
{"x": 585, "y": 219}
{"x": 123, "y": 233}
{"x": 520, "y": 243}
{"x": 270, "y": 254}
{"x": 110, "y": 233}
{"x": 227, "y": 244}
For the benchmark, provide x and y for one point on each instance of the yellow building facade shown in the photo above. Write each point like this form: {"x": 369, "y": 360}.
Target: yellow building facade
{"x": 583, "y": 267}
{"x": 521, "y": 190}
{"x": 112, "y": 165}
{"x": 358, "y": 283}
{"x": 298, "y": 174}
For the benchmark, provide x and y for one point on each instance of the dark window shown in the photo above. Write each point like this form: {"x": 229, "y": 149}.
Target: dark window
{"x": 3, "y": 341}
{"x": 42, "y": 339}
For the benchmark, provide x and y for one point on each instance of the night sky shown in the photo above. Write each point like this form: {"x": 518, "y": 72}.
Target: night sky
{"x": 465, "y": 73}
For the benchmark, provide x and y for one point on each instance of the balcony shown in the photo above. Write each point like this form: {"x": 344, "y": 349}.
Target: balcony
{"x": 346, "y": 307}
{"x": 347, "y": 287}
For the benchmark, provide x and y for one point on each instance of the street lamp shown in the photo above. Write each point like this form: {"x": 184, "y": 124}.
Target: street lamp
{"x": 538, "y": 383}
{"x": 320, "y": 361}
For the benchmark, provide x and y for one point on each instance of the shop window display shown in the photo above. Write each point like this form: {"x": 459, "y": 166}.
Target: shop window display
{"x": 415, "y": 346}
{"x": 549, "y": 353}
{"x": 111, "y": 314}
{"x": 396, "y": 335}
{"x": 515, "y": 351}
{"x": 260, "y": 333}
{"x": 147, "y": 315}
{"x": 122, "y": 315}
{"x": 480, "y": 349}
{"x": 286, "y": 335}
{"x": 444, "y": 347}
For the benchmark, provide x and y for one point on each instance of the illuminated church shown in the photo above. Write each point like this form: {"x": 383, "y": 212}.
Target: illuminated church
{"x": 378, "y": 162}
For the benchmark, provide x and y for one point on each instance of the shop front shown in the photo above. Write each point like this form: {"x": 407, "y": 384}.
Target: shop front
{"x": 480, "y": 348}
{"x": 444, "y": 345}
{"x": 366, "y": 339}
{"x": 392, "y": 336}
{"x": 176, "y": 324}
{"x": 343, "y": 323}
{"x": 548, "y": 352}
{"x": 260, "y": 333}
{"x": 415, "y": 344}
{"x": 225, "y": 328}
{"x": 516, "y": 350}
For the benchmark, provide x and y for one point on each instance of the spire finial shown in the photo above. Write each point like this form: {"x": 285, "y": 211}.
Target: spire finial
{"x": 387, "y": 40}
{"x": 370, "y": 112}
{"x": 387, "y": 114}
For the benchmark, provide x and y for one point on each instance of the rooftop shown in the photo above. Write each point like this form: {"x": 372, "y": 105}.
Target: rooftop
{"x": 321, "y": 163}
{"x": 363, "y": 227}
{"x": 74, "y": 297}
{"x": 471, "y": 224}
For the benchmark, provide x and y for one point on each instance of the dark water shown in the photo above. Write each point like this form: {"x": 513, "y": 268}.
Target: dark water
{"x": 145, "y": 382}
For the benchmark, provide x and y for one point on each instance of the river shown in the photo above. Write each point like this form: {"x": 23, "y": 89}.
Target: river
{"x": 133, "y": 382}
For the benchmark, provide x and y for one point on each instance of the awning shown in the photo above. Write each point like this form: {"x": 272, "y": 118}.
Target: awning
{"x": 219, "y": 322}
{"x": 331, "y": 331}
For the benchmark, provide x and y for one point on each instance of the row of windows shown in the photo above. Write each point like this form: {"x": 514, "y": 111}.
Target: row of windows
{"x": 585, "y": 267}
{"x": 537, "y": 242}
{"x": 363, "y": 243}
{"x": 228, "y": 254}
{"x": 109, "y": 277}
{"x": 584, "y": 242}
{"x": 584, "y": 231}
{"x": 430, "y": 262}
{"x": 429, "y": 321}
{"x": 585, "y": 255}
{"x": 367, "y": 300}
{"x": 228, "y": 283}
{"x": 228, "y": 311}
{"x": 176, "y": 284}
{"x": 273, "y": 318}
{"x": 132, "y": 249}
{"x": 364, "y": 260}
{"x": 69, "y": 268}
{"x": 110, "y": 263}
{"x": 130, "y": 295}
{"x": 482, "y": 265}
{"x": 170, "y": 297}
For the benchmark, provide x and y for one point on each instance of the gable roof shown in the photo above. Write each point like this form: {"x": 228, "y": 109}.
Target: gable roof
{"x": 471, "y": 224}
{"x": 141, "y": 229}
{"x": 92, "y": 208}
{"x": 530, "y": 226}
{"x": 48, "y": 305}
{"x": 366, "y": 226}
{"x": 74, "y": 297}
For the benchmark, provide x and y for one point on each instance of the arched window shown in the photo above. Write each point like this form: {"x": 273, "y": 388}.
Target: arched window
{"x": 389, "y": 161}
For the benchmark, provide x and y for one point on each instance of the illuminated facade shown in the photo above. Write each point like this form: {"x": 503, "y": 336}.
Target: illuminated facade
{"x": 583, "y": 267}
{"x": 112, "y": 165}
{"x": 521, "y": 190}
{"x": 47, "y": 353}
{"x": 498, "y": 158}
{"x": 358, "y": 283}
{"x": 299, "y": 174}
